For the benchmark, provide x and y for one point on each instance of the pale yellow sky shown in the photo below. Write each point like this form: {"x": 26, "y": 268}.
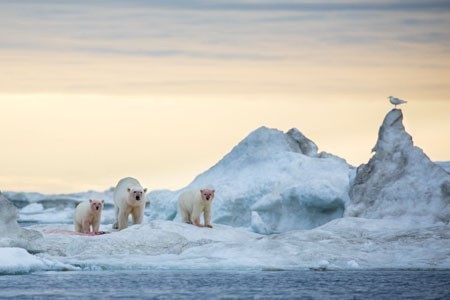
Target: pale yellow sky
{"x": 90, "y": 94}
{"x": 68, "y": 143}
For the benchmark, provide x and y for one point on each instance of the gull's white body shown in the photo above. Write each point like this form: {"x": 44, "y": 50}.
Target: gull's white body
{"x": 396, "y": 101}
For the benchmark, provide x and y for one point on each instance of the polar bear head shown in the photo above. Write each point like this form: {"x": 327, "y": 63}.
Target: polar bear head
{"x": 207, "y": 195}
{"x": 96, "y": 205}
{"x": 136, "y": 194}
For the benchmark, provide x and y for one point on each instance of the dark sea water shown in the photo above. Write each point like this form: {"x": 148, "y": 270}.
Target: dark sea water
{"x": 203, "y": 285}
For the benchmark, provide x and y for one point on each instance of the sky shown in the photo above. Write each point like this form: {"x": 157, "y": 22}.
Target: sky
{"x": 94, "y": 91}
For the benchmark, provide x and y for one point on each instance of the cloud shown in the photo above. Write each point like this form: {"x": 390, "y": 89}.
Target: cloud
{"x": 254, "y": 34}
{"x": 303, "y": 6}
{"x": 167, "y": 53}
{"x": 56, "y": 6}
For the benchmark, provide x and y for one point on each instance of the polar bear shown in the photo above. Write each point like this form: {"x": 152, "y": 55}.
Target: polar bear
{"x": 192, "y": 203}
{"x": 88, "y": 214}
{"x": 129, "y": 198}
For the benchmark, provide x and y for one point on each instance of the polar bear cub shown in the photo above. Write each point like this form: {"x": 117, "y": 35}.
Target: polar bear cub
{"x": 129, "y": 198}
{"x": 88, "y": 214}
{"x": 192, "y": 203}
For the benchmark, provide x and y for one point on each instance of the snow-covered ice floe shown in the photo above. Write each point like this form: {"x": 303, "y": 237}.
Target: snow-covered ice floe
{"x": 346, "y": 243}
{"x": 19, "y": 261}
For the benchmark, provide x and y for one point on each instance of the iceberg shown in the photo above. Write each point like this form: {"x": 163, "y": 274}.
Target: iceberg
{"x": 11, "y": 234}
{"x": 400, "y": 181}
{"x": 270, "y": 182}
{"x": 444, "y": 165}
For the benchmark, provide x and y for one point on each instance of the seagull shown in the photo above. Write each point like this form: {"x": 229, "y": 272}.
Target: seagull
{"x": 396, "y": 101}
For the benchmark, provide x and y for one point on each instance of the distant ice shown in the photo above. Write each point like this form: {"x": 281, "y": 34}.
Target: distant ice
{"x": 32, "y": 208}
{"x": 56, "y": 209}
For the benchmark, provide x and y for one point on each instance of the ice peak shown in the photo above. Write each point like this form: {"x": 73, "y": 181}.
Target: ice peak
{"x": 307, "y": 146}
{"x": 392, "y": 134}
{"x": 262, "y": 135}
{"x": 269, "y": 140}
{"x": 394, "y": 118}
{"x": 265, "y": 140}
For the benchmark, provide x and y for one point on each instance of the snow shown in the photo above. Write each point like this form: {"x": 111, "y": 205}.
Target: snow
{"x": 280, "y": 204}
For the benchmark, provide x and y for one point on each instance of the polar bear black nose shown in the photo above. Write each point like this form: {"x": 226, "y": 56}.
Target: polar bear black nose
{"x": 138, "y": 198}
{"x": 207, "y": 197}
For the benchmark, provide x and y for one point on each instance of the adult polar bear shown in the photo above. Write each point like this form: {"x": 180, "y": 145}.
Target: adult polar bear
{"x": 129, "y": 198}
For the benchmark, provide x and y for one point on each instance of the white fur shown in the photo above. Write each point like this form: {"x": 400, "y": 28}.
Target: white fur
{"x": 85, "y": 217}
{"x": 126, "y": 204}
{"x": 191, "y": 205}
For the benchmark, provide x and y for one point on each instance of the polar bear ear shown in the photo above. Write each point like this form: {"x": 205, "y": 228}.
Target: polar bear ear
{"x": 129, "y": 190}
{"x": 201, "y": 191}
{"x": 145, "y": 190}
{"x": 213, "y": 191}
{"x": 90, "y": 200}
{"x": 103, "y": 201}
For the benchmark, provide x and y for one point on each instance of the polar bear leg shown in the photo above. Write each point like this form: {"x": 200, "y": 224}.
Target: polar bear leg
{"x": 185, "y": 216}
{"x": 86, "y": 227}
{"x": 137, "y": 215}
{"x": 96, "y": 226}
{"x": 123, "y": 219}
{"x": 116, "y": 223}
{"x": 196, "y": 222}
{"x": 77, "y": 227}
{"x": 195, "y": 218}
{"x": 207, "y": 217}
